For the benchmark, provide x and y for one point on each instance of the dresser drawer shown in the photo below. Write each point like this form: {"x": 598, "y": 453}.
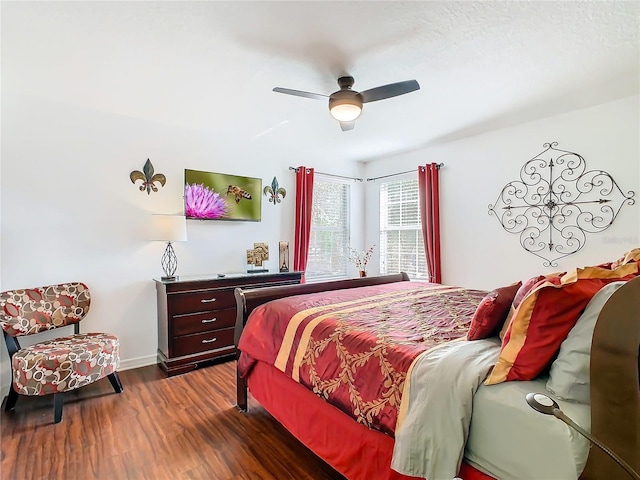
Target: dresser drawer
{"x": 202, "y": 301}
{"x": 201, "y": 322}
{"x": 201, "y": 342}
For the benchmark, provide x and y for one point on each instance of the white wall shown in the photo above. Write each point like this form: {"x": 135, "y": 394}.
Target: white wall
{"x": 70, "y": 212}
{"x": 476, "y": 251}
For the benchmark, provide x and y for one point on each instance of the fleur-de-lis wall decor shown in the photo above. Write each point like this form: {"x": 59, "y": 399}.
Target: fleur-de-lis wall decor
{"x": 274, "y": 191}
{"x": 148, "y": 178}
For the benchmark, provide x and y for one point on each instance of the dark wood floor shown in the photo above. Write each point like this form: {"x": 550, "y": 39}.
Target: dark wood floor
{"x": 159, "y": 428}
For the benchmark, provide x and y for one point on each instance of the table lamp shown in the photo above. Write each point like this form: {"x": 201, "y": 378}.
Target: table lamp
{"x": 168, "y": 228}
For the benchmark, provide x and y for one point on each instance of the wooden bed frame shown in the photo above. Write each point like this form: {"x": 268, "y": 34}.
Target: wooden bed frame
{"x": 615, "y": 367}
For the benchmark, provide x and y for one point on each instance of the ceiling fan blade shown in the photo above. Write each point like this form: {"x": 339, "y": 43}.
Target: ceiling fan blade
{"x": 390, "y": 90}
{"x": 347, "y": 125}
{"x": 300, "y": 93}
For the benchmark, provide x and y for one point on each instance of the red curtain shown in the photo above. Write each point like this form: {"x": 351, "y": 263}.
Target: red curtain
{"x": 304, "y": 199}
{"x": 430, "y": 218}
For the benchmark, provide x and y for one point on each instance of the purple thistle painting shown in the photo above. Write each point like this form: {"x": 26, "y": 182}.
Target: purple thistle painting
{"x": 202, "y": 202}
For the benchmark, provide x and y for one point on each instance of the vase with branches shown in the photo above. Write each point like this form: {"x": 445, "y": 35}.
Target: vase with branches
{"x": 360, "y": 259}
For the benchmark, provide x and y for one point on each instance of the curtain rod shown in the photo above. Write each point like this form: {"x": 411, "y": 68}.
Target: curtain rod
{"x": 440, "y": 165}
{"x": 331, "y": 175}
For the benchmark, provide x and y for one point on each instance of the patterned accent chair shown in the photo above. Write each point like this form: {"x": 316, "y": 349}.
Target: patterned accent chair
{"x": 59, "y": 365}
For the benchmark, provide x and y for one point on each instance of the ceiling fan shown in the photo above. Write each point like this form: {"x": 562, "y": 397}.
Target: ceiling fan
{"x": 345, "y": 105}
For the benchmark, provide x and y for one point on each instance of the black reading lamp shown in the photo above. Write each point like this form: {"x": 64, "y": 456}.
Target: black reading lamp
{"x": 547, "y": 405}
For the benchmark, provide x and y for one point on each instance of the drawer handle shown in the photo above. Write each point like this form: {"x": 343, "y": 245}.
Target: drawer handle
{"x": 209, "y": 341}
{"x": 204, "y": 300}
{"x": 211, "y": 320}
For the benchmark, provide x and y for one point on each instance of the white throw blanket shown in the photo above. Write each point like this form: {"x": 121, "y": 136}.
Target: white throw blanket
{"x": 437, "y": 401}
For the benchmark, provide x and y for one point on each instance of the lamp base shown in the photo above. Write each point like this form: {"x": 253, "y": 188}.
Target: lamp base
{"x": 169, "y": 263}
{"x": 169, "y": 278}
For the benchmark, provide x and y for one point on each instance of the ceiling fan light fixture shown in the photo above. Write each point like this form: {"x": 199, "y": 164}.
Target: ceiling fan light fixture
{"x": 345, "y": 105}
{"x": 346, "y": 112}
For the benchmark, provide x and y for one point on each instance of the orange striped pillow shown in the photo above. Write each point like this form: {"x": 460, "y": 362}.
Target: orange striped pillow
{"x": 545, "y": 317}
{"x": 628, "y": 257}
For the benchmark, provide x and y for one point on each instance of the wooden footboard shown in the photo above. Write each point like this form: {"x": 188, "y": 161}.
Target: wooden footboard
{"x": 247, "y": 300}
{"x": 615, "y": 384}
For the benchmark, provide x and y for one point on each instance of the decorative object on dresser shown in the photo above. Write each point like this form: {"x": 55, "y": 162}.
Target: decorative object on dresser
{"x": 284, "y": 256}
{"x": 257, "y": 256}
{"x": 197, "y": 315}
{"x": 556, "y": 195}
{"x": 148, "y": 178}
{"x": 168, "y": 228}
{"x": 61, "y": 364}
{"x": 274, "y": 191}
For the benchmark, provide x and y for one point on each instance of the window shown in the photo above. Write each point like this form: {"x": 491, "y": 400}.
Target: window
{"x": 329, "y": 231}
{"x": 401, "y": 245}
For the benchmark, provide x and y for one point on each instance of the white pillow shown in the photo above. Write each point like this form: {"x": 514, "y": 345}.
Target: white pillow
{"x": 569, "y": 374}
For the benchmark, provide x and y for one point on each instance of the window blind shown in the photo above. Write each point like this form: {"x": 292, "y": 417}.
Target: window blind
{"x": 401, "y": 244}
{"x": 328, "y": 258}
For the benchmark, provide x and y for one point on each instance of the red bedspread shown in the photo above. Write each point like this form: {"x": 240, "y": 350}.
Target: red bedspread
{"x": 354, "y": 347}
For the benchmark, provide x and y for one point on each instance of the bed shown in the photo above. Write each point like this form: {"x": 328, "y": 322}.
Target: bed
{"x": 358, "y": 437}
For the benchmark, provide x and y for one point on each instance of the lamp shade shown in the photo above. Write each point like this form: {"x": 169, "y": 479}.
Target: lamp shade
{"x": 168, "y": 228}
{"x": 346, "y": 112}
{"x": 345, "y": 105}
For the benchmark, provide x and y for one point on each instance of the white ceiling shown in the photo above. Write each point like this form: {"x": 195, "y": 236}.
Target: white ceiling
{"x": 211, "y": 65}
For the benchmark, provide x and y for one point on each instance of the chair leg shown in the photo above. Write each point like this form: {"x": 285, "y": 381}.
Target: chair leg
{"x": 58, "y": 400}
{"x": 12, "y": 397}
{"x": 115, "y": 382}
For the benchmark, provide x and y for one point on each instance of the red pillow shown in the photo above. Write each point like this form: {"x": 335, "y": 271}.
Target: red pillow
{"x": 492, "y": 312}
{"x": 525, "y": 288}
{"x": 545, "y": 317}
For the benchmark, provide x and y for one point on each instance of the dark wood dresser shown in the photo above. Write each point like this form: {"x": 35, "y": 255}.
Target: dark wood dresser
{"x": 197, "y": 315}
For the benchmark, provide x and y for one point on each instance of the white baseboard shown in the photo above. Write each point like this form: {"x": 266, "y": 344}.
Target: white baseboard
{"x": 138, "y": 362}
{"x": 129, "y": 364}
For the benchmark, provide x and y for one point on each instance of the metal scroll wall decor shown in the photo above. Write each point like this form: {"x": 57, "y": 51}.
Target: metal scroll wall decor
{"x": 557, "y": 202}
